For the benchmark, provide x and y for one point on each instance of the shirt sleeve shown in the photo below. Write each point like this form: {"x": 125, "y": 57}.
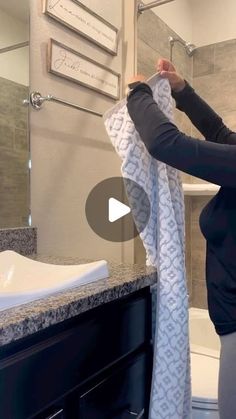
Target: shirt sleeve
{"x": 209, "y": 161}
{"x": 202, "y": 116}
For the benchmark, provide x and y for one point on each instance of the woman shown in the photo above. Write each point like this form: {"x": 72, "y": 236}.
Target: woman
{"x": 213, "y": 161}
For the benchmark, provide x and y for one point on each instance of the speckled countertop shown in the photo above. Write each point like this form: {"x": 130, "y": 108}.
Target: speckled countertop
{"x": 19, "y": 322}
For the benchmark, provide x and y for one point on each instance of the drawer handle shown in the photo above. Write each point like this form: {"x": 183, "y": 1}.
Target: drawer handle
{"x": 55, "y": 415}
{"x": 137, "y": 415}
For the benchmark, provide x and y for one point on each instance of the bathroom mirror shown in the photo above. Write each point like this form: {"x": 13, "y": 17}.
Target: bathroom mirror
{"x": 14, "y": 130}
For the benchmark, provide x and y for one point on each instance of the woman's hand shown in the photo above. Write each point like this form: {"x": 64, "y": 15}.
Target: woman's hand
{"x": 168, "y": 71}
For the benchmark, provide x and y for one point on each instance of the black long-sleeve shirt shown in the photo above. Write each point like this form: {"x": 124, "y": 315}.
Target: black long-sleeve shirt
{"x": 213, "y": 161}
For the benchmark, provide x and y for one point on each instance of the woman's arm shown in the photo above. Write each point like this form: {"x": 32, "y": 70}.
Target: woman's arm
{"x": 202, "y": 116}
{"x": 209, "y": 161}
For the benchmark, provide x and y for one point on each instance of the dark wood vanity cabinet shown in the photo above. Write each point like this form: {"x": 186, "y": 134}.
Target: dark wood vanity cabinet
{"x": 95, "y": 366}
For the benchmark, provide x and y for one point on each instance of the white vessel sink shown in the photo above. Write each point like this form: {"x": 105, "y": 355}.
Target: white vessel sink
{"x": 23, "y": 280}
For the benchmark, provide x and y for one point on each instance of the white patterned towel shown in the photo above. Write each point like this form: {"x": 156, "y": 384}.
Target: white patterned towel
{"x": 163, "y": 239}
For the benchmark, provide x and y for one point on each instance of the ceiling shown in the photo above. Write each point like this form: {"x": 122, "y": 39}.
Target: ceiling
{"x": 19, "y": 9}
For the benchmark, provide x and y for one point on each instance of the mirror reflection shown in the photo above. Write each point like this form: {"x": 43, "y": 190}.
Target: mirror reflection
{"x": 14, "y": 134}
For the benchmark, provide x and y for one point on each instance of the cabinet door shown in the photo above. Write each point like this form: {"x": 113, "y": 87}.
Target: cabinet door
{"x": 122, "y": 395}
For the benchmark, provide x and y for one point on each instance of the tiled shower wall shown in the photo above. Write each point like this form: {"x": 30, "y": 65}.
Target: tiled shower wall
{"x": 212, "y": 72}
{"x": 14, "y": 155}
{"x": 153, "y": 43}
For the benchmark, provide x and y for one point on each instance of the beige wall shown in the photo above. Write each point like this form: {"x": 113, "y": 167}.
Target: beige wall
{"x": 70, "y": 150}
{"x": 14, "y": 65}
{"x": 213, "y": 21}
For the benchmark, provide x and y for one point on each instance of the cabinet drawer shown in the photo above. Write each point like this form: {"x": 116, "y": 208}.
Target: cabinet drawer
{"x": 120, "y": 396}
{"x": 38, "y": 375}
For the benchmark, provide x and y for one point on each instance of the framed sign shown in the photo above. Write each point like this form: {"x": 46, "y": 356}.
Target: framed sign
{"x": 84, "y": 21}
{"x": 65, "y": 62}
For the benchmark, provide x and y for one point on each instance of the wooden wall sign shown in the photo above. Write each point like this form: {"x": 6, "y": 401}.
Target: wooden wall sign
{"x": 84, "y": 21}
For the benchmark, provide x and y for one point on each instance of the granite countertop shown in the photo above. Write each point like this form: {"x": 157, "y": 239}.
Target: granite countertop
{"x": 24, "y": 320}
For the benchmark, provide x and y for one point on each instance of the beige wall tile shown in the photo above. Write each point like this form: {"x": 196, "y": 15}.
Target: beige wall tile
{"x": 198, "y": 252}
{"x": 218, "y": 90}
{"x": 153, "y": 32}
{"x": 199, "y": 298}
{"x": 198, "y": 259}
{"x": 188, "y": 259}
{"x": 147, "y": 58}
{"x": 195, "y": 133}
{"x": 225, "y": 56}
{"x": 203, "y": 61}
{"x": 139, "y": 251}
{"x": 182, "y": 121}
{"x": 182, "y": 62}
{"x": 229, "y": 119}
{"x": 14, "y": 155}
{"x": 198, "y": 202}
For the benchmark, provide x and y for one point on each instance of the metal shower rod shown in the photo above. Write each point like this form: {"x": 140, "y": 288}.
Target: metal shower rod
{"x": 142, "y": 7}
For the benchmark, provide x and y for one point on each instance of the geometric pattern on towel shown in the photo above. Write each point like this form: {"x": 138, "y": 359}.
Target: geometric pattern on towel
{"x": 164, "y": 241}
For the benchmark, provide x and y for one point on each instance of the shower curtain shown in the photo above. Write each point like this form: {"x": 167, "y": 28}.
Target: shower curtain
{"x": 163, "y": 239}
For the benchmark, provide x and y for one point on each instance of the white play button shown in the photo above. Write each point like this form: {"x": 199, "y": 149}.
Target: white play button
{"x": 116, "y": 209}
{"x": 114, "y": 217}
